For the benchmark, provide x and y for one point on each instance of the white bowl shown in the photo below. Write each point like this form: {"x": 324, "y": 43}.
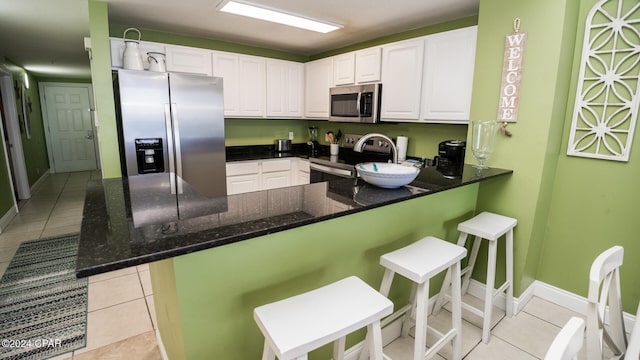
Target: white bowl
{"x": 387, "y": 175}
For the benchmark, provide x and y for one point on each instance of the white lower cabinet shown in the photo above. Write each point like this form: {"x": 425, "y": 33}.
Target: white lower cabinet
{"x": 255, "y": 175}
{"x": 276, "y": 173}
{"x": 243, "y": 177}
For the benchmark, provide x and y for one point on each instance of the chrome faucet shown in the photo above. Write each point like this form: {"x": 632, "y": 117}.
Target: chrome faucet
{"x": 359, "y": 145}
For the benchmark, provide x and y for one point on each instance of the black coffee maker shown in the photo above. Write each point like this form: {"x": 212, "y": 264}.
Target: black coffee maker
{"x": 450, "y": 159}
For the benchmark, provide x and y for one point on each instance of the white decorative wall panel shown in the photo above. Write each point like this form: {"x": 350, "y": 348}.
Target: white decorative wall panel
{"x": 607, "y": 98}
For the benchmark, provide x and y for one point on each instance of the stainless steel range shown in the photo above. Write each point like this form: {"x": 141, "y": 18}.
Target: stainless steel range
{"x": 328, "y": 167}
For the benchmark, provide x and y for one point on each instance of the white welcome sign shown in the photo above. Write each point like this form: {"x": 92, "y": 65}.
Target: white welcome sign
{"x": 511, "y": 76}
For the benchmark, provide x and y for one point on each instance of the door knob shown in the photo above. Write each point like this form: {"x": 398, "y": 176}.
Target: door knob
{"x": 89, "y": 134}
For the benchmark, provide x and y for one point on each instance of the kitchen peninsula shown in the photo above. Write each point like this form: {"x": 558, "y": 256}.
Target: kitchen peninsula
{"x": 208, "y": 273}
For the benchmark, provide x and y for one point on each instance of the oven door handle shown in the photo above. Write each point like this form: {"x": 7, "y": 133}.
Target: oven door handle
{"x": 331, "y": 170}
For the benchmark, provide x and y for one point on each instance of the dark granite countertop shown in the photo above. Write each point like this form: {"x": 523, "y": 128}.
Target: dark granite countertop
{"x": 109, "y": 241}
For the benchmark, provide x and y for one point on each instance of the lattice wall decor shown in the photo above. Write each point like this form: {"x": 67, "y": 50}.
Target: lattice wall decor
{"x": 606, "y": 107}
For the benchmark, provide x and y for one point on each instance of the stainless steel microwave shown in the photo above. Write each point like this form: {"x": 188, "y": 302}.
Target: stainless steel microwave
{"x": 356, "y": 103}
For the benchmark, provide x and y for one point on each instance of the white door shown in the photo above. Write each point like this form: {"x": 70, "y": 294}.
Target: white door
{"x": 71, "y": 135}
{"x": 402, "y": 80}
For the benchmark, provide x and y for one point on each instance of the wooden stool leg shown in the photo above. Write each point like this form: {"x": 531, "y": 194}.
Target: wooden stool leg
{"x": 446, "y": 284}
{"x": 456, "y": 310}
{"x": 488, "y": 296}
{"x": 375, "y": 340}
{"x": 406, "y": 321}
{"x": 422, "y": 294}
{"x": 385, "y": 287}
{"x": 267, "y": 352}
{"x": 509, "y": 264}
{"x": 338, "y": 348}
{"x": 471, "y": 265}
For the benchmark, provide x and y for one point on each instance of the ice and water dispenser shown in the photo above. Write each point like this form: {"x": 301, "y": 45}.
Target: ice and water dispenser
{"x": 149, "y": 155}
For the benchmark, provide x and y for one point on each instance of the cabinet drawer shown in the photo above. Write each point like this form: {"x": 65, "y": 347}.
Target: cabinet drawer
{"x": 243, "y": 168}
{"x": 276, "y": 165}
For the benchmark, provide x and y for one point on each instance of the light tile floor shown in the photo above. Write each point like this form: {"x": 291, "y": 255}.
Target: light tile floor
{"x": 121, "y": 318}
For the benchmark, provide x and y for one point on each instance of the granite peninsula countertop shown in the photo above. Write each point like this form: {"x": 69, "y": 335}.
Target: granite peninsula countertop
{"x": 109, "y": 241}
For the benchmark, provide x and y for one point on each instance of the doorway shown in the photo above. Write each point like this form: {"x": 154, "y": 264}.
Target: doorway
{"x": 11, "y": 138}
{"x": 66, "y": 111}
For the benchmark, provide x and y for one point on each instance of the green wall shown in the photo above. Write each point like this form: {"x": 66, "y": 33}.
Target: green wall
{"x": 212, "y": 293}
{"x": 34, "y": 148}
{"x": 594, "y": 206}
{"x": 103, "y": 89}
{"x": 533, "y": 149}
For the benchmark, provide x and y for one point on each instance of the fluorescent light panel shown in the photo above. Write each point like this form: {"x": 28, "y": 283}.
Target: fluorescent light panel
{"x": 277, "y": 16}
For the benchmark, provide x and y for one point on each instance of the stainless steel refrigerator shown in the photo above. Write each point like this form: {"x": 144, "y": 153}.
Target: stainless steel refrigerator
{"x": 171, "y": 132}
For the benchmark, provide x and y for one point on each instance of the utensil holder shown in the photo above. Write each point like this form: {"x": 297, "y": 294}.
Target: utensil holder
{"x": 334, "y": 149}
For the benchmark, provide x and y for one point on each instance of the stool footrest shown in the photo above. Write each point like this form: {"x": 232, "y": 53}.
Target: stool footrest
{"x": 501, "y": 289}
{"x": 440, "y": 343}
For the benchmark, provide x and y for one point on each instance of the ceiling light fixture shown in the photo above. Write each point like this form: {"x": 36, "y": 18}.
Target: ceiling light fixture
{"x": 244, "y": 8}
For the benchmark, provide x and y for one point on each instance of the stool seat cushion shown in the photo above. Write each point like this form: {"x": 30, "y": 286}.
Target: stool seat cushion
{"x": 488, "y": 225}
{"x": 423, "y": 259}
{"x": 299, "y": 324}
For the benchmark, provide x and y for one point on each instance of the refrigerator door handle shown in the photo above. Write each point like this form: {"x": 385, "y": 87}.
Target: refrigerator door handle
{"x": 172, "y": 170}
{"x": 176, "y": 131}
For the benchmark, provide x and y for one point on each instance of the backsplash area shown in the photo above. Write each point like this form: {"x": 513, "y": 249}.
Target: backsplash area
{"x": 423, "y": 138}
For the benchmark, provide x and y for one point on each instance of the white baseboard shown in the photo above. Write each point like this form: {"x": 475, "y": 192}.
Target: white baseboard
{"x": 163, "y": 351}
{"x": 549, "y": 293}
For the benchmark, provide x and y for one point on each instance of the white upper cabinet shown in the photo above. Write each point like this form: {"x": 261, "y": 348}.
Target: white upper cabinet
{"x": 318, "y": 81}
{"x": 402, "y": 80}
{"x": 343, "y": 69}
{"x": 368, "y": 62}
{"x": 243, "y": 83}
{"x": 117, "y": 49}
{"x": 285, "y": 88}
{"x": 448, "y": 75}
{"x": 188, "y": 60}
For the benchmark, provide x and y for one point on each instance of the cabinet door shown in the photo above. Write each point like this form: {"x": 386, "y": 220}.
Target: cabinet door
{"x": 368, "y": 63}
{"x": 243, "y": 83}
{"x": 318, "y": 81}
{"x": 242, "y": 184}
{"x": 188, "y": 60}
{"x": 285, "y": 84}
{"x": 448, "y": 75}
{"x": 278, "y": 179}
{"x": 117, "y": 49}
{"x": 402, "y": 80}
{"x": 344, "y": 69}
{"x": 243, "y": 176}
{"x": 225, "y": 65}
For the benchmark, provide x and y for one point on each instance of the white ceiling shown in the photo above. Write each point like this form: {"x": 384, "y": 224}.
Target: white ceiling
{"x": 46, "y": 36}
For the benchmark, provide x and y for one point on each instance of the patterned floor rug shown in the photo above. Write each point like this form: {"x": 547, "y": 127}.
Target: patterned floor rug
{"x": 43, "y": 307}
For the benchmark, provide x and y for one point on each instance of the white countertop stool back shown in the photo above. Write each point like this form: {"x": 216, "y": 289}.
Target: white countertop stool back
{"x": 568, "y": 342}
{"x": 491, "y": 227}
{"x": 419, "y": 262}
{"x": 294, "y": 326}
{"x": 604, "y": 306}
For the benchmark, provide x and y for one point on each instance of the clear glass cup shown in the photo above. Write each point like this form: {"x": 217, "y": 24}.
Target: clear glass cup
{"x": 483, "y": 140}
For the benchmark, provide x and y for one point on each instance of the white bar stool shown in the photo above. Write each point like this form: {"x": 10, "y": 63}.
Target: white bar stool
{"x": 419, "y": 262}
{"x": 490, "y": 227}
{"x": 294, "y": 326}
